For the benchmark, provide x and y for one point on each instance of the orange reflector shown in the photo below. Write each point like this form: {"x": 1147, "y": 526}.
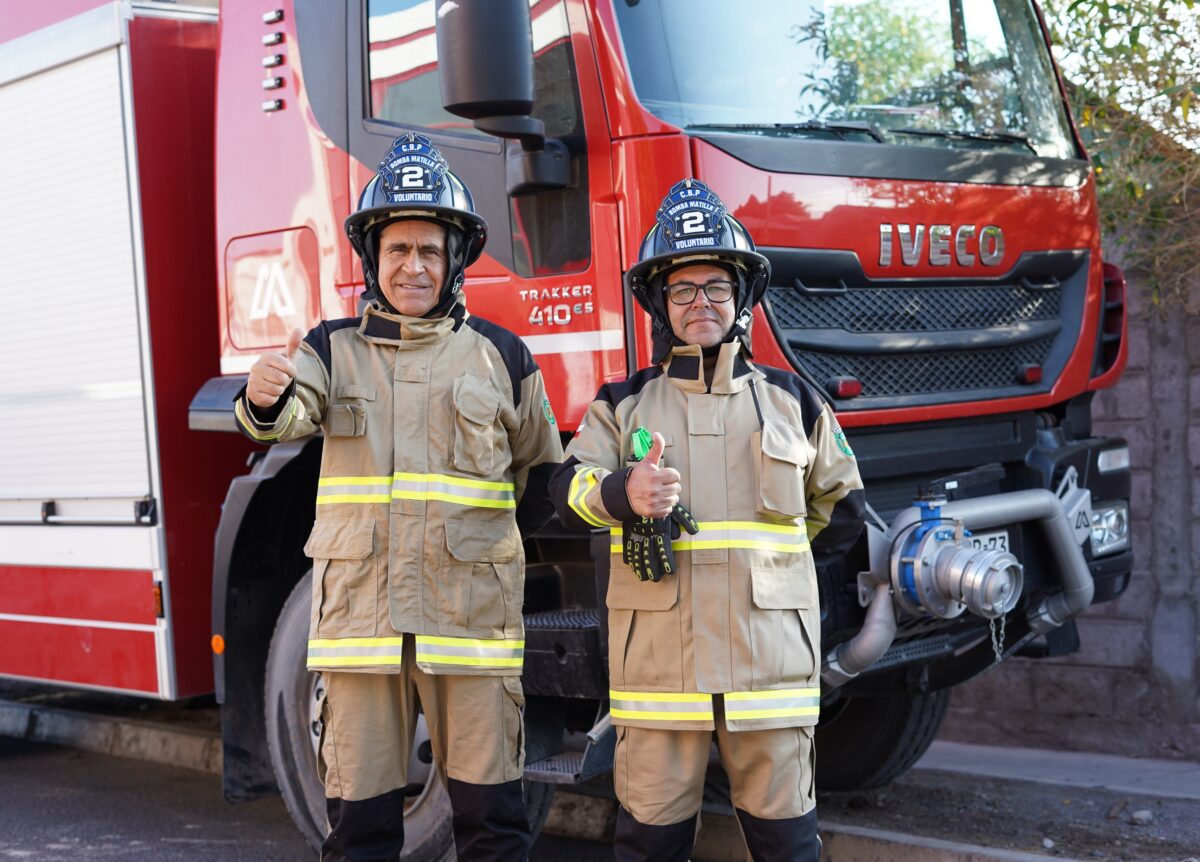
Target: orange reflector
{"x": 1029, "y": 374}
{"x": 158, "y": 604}
{"x": 218, "y": 644}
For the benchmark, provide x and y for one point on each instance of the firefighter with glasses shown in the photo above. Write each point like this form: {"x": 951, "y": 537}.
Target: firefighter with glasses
{"x": 439, "y": 444}
{"x": 721, "y": 482}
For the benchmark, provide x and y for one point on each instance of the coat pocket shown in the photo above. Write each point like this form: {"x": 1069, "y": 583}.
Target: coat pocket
{"x": 476, "y": 407}
{"x": 346, "y": 420}
{"x": 785, "y": 625}
{"x": 482, "y": 580}
{"x": 781, "y": 456}
{"x": 345, "y": 578}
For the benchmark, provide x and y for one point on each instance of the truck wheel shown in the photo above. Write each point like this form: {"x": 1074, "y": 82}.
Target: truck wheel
{"x": 865, "y": 742}
{"x": 293, "y": 698}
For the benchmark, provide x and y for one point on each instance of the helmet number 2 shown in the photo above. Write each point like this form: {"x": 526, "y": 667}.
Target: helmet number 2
{"x": 412, "y": 177}
{"x": 692, "y": 222}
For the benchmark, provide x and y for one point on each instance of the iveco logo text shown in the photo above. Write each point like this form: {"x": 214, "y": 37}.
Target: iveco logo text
{"x": 989, "y": 243}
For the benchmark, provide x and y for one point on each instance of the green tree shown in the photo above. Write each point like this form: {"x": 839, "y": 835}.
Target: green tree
{"x": 1134, "y": 72}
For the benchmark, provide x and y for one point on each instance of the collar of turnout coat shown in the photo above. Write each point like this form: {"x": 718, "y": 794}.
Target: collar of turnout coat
{"x": 381, "y": 327}
{"x": 684, "y": 367}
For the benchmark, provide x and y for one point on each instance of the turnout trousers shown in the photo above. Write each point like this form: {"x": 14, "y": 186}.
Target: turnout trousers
{"x": 476, "y": 733}
{"x": 659, "y": 780}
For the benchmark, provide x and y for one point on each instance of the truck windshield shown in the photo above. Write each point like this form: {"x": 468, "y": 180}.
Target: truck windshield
{"x": 929, "y": 73}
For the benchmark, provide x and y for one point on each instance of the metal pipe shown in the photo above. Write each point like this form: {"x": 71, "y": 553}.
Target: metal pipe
{"x": 1038, "y": 505}
{"x": 849, "y": 659}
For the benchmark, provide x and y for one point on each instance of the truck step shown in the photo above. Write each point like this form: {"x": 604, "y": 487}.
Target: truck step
{"x": 563, "y": 656}
{"x": 561, "y": 768}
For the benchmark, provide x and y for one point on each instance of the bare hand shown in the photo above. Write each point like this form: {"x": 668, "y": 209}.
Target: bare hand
{"x": 273, "y": 373}
{"x": 653, "y": 490}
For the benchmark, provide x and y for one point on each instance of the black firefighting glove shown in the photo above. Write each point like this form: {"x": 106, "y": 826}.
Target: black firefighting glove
{"x": 647, "y": 547}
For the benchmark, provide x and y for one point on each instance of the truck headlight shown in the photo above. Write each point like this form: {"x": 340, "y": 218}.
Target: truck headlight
{"x": 1110, "y": 529}
{"x": 1111, "y": 460}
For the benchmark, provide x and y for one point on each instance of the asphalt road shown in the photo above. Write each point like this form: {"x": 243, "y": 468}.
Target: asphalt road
{"x": 65, "y": 805}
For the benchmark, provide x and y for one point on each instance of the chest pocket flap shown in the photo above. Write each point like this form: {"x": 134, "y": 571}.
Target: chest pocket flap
{"x": 784, "y": 455}
{"x": 476, "y": 405}
{"x": 792, "y": 588}
{"x": 340, "y": 540}
{"x": 481, "y": 542}
{"x": 355, "y": 390}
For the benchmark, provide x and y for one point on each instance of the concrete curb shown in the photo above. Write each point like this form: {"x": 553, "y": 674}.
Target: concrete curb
{"x": 119, "y": 737}
{"x": 573, "y": 815}
{"x": 576, "y": 815}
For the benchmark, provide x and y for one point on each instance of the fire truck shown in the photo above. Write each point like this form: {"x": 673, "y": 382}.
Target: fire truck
{"x": 175, "y": 178}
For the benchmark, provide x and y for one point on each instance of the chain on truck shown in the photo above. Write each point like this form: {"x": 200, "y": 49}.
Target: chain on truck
{"x": 174, "y": 199}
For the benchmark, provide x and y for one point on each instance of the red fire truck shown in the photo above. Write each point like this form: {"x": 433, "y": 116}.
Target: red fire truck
{"x": 174, "y": 182}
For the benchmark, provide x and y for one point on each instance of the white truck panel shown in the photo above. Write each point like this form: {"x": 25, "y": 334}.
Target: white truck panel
{"x": 73, "y": 422}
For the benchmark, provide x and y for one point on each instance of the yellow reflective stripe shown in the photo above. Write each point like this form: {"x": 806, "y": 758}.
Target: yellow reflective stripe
{"x": 661, "y": 716}
{"x": 696, "y": 543}
{"x": 353, "y": 661}
{"x": 355, "y": 480}
{"x": 470, "y": 652}
{"x": 773, "y": 694}
{"x": 577, "y": 496}
{"x": 353, "y": 498}
{"x": 248, "y": 424}
{"x": 451, "y": 480}
{"x": 451, "y": 498}
{"x": 736, "y": 715}
{"x": 477, "y": 643}
{"x": 326, "y": 643}
{"x": 660, "y": 696}
{"x": 437, "y": 658}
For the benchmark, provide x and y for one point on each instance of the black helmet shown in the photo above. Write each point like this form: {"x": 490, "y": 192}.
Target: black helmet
{"x": 693, "y": 226}
{"x": 414, "y": 181}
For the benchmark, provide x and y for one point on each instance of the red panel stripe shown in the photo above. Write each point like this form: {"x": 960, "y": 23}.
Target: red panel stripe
{"x": 110, "y": 595}
{"x": 74, "y": 654}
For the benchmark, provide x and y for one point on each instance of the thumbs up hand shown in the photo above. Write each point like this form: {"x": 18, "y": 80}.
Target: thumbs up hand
{"x": 273, "y": 373}
{"x": 653, "y": 490}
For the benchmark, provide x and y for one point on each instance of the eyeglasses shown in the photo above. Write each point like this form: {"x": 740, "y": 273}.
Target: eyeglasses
{"x": 684, "y": 292}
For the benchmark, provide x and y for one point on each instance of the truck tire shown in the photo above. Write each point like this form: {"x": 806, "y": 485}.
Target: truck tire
{"x": 865, "y": 742}
{"x": 293, "y": 697}
{"x": 292, "y": 711}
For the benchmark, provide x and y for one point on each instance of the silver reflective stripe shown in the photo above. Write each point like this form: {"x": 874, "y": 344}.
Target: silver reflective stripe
{"x": 776, "y": 703}
{"x": 452, "y": 489}
{"x": 660, "y": 706}
{"x": 355, "y": 652}
{"x": 470, "y": 652}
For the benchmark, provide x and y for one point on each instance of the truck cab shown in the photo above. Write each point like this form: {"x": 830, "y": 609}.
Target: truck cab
{"x": 915, "y": 178}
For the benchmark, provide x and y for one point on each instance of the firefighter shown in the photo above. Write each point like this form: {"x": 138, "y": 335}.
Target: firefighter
{"x": 439, "y": 444}
{"x": 720, "y": 481}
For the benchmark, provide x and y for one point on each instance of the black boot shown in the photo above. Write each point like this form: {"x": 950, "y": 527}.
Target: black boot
{"x": 490, "y": 821}
{"x": 371, "y": 830}
{"x": 792, "y": 840}
{"x": 637, "y": 842}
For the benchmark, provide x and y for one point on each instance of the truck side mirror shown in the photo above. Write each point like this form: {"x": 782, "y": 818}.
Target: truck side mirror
{"x": 485, "y": 60}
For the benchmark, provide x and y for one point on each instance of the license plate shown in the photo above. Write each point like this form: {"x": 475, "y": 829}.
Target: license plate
{"x": 997, "y": 541}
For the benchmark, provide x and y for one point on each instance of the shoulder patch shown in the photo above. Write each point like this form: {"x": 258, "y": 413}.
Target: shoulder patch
{"x": 318, "y": 337}
{"x": 517, "y": 358}
{"x": 615, "y": 393}
{"x": 811, "y": 402}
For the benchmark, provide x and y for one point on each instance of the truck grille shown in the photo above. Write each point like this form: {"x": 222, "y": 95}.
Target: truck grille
{"x": 914, "y": 342}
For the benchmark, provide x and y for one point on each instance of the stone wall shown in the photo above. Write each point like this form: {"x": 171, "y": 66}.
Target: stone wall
{"x": 1134, "y": 686}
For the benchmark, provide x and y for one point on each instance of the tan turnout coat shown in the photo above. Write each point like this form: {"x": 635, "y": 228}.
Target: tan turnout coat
{"x": 768, "y": 474}
{"x": 439, "y": 439}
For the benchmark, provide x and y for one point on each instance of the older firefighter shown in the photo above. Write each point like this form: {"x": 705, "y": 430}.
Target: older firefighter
{"x": 439, "y": 442}
{"x": 714, "y": 620}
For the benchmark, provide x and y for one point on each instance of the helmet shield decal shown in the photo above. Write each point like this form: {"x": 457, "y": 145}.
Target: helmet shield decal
{"x": 690, "y": 216}
{"x": 413, "y": 171}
